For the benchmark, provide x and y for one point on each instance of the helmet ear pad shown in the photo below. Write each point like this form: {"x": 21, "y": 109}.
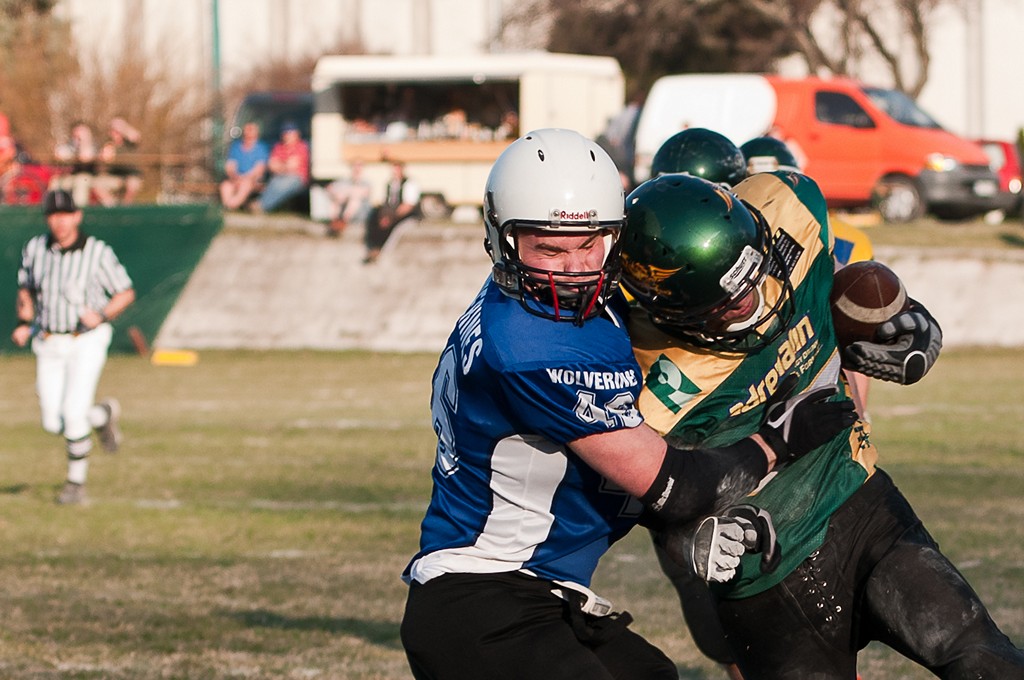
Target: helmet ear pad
{"x": 560, "y": 182}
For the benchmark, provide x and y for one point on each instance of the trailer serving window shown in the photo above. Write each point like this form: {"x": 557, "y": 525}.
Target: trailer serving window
{"x": 429, "y": 111}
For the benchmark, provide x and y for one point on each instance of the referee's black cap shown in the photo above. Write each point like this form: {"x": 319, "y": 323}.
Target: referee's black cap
{"x": 58, "y": 201}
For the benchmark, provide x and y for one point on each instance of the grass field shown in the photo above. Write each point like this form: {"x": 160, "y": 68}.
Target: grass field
{"x": 967, "y": 235}
{"x": 257, "y": 518}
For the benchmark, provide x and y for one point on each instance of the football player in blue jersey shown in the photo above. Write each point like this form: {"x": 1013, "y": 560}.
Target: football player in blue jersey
{"x": 733, "y": 294}
{"x": 542, "y": 458}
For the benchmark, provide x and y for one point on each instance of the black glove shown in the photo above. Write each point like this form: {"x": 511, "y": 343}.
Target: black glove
{"x": 907, "y": 346}
{"x": 758, "y": 534}
{"x": 795, "y": 425}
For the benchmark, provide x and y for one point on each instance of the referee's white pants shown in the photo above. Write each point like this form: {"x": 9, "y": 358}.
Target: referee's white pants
{"x": 68, "y": 369}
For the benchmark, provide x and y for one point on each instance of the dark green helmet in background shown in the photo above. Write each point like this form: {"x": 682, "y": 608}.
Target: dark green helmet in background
{"x": 693, "y": 251}
{"x": 766, "y": 154}
{"x": 702, "y": 153}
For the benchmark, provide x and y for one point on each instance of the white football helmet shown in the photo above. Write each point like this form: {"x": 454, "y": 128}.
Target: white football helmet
{"x": 559, "y": 181}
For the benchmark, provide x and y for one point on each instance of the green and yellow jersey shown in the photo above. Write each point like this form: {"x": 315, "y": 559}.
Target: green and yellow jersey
{"x": 697, "y": 397}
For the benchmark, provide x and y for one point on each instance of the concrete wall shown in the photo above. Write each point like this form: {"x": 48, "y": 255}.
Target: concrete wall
{"x": 293, "y": 288}
{"x": 287, "y": 286}
{"x": 977, "y": 296}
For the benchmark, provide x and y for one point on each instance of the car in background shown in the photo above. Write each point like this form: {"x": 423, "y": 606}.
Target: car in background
{"x": 865, "y": 146}
{"x": 1005, "y": 160}
{"x": 272, "y": 109}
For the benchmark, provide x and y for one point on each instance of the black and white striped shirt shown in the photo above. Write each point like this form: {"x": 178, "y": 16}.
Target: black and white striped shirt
{"x": 65, "y": 282}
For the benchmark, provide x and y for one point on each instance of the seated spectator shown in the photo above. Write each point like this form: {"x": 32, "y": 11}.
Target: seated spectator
{"x": 401, "y": 202}
{"x": 350, "y": 200}
{"x": 9, "y": 165}
{"x": 455, "y": 124}
{"x": 509, "y": 127}
{"x": 79, "y": 156}
{"x": 245, "y": 168}
{"x": 289, "y": 170}
{"x": 22, "y": 181}
{"x": 118, "y": 178}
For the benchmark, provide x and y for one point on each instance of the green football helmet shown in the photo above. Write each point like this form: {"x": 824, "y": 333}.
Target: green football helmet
{"x": 702, "y": 153}
{"x": 695, "y": 257}
{"x": 765, "y": 154}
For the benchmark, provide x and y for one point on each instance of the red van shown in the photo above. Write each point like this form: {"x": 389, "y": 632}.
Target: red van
{"x": 873, "y": 145}
{"x": 865, "y": 146}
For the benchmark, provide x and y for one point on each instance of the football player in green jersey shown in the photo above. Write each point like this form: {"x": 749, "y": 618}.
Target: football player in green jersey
{"x": 852, "y": 244}
{"x": 733, "y": 301}
{"x": 702, "y": 153}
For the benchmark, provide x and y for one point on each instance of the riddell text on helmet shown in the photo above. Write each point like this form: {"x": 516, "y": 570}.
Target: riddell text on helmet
{"x": 576, "y": 215}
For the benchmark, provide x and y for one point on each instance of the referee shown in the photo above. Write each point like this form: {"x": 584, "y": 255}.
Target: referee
{"x": 70, "y": 286}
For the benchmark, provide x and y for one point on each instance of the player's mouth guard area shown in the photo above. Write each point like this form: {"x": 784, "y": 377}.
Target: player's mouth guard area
{"x": 574, "y": 301}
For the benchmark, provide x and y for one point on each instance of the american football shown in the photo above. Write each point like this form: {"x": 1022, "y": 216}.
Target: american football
{"x": 865, "y": 294}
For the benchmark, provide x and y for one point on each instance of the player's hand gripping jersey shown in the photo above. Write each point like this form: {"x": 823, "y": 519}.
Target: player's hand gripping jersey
{"x": 503, "y": 413}
{"x": 707, "y": 398}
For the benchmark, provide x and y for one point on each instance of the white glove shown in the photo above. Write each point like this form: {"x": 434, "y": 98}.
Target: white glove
{"x": 758, "y": 534}
{"x": 717, "y": 546}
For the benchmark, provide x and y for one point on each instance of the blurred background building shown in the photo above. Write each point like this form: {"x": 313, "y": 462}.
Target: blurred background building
{"x": 974, "y": 86}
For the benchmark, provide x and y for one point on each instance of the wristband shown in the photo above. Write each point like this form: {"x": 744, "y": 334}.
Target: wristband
{"x": 22, "y": 322}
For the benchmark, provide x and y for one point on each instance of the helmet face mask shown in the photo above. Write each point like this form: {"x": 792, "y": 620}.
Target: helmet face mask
{"x": 557, "y": 294}
{"x": 699, "y": 261}
{"x": 767, "y": 154}
{"x": 555, "y": 183}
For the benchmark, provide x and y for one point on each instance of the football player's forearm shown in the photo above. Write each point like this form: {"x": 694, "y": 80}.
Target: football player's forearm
{"x": 695, "y": 483}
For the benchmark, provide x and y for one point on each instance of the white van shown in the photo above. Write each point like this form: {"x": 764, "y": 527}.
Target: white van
{"x": 448, "y": 117}
{"x": 740, "y": 106}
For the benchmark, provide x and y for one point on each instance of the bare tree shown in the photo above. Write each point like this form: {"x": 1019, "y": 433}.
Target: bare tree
{"x": 146, "y": 88}
{"x": 47, "y": 83}
{"x": 653, "y": 37}
{"x": 861, "y": 30}
{"x": 37, "y": 63}
{"x": 285, "y": 74}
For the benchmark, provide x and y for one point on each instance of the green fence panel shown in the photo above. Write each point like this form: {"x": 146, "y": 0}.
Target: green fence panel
{"x": 159, "y": 245}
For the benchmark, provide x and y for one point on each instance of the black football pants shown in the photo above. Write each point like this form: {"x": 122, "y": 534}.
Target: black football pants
{"x": 878, "y": 576}
{"x": 510, "y": 626}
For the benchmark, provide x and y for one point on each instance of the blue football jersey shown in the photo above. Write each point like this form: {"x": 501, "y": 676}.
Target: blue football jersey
{"x": 510, "y": 391}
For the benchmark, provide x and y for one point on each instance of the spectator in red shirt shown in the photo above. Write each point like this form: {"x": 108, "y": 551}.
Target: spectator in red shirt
{"x": 289, "y": 169}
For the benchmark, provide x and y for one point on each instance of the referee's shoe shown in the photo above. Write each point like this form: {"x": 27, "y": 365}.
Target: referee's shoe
{"x": 72, "y": 494}
{"x": 109, "y": 433}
